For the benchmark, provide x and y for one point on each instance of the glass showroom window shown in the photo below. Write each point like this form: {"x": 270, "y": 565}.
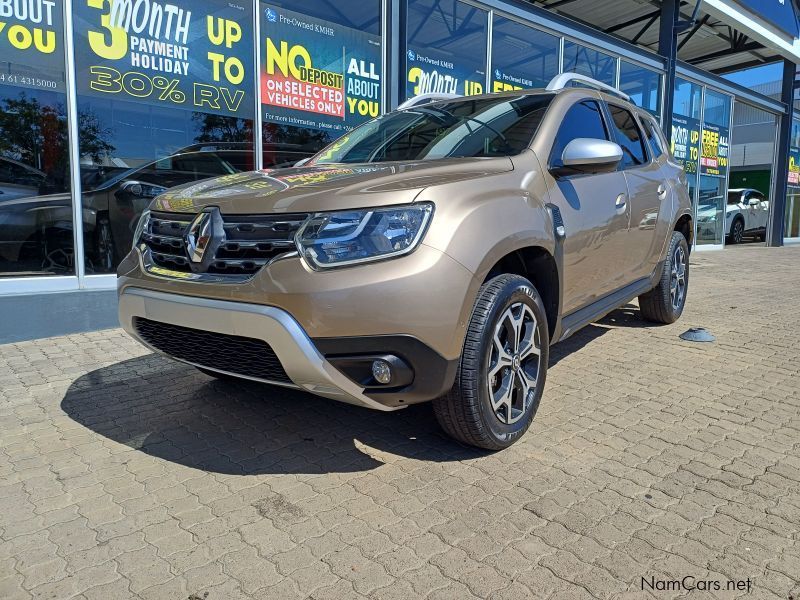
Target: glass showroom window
{"x": 642, "y": 85}
{"x": 714, "y": 163}
{"x": 36, "y": 233}
{"x": 792, "y": 223}
{"x": 445, "y": 48}
{"x": 592, "y": 63}
{"x": 685, "y": 140}
{"x": 164, "y": 99}
{"x": 522, "y": 57}
{"x": 320, "y": 73}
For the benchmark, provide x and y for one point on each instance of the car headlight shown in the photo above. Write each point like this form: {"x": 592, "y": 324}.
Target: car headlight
{"x": 336, "y": 239}
{"x": 144, "y": 219}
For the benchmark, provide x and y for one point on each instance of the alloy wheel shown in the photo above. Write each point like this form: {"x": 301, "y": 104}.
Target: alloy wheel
{"x": 677, "y": 285}
{"x": 738, "y": 232}
{"x": 514, "y": 363}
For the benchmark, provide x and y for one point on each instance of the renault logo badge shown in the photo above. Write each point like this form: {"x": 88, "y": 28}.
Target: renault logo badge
{"x": 198, "y": 237}
{"x": 206, "y": 233}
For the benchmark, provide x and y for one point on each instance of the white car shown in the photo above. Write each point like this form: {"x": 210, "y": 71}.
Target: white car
{"x": 747, "y": 213}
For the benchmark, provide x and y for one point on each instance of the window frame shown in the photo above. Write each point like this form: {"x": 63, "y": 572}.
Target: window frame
{"x": 648, "y": 155}
{"x": 649, "y": 124}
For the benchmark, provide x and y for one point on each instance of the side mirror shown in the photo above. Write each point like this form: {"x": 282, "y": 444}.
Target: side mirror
{"x": 754, "y": 202}
{"x": 589, "y": 155}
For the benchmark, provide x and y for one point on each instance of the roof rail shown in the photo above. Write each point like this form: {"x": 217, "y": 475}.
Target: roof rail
{"x": 559, "y": 82}
{"x": 426, "y": 99}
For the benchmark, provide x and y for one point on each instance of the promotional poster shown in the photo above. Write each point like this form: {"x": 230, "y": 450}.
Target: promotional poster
{"x": 794, "y": 166}
{"x": 685, "y": 142}
{"x": 714, "y": 150}
{"x": 178, "y": 54}
{"x": 428, "y": 73}
{"x": 32, "y": 44}
{"x": 317, "y": 74}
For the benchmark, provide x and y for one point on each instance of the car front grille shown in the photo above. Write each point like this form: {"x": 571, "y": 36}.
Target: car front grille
{"x": 231, "y": 353}
{"x": 251, "y": 241}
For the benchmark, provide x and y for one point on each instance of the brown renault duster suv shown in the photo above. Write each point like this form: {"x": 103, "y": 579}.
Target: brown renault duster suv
{"x": 434, "y": 253}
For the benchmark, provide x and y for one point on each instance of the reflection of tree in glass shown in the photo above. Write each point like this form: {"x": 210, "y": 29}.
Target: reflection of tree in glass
{"x": 36, "y": 134}
{"x": 93, "y": 137}
{"x": 308, "y": 139}
{"x": 219, "y": 128}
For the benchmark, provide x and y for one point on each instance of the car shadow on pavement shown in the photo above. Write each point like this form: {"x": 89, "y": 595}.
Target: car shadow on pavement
{"x": 626, "y": 316}
{"x": 172, "y": 411}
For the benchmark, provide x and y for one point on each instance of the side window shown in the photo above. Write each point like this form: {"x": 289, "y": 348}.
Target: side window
{"x": 583, "y": 120}
{"x": 653, "y": 137}
{"x": 627, "y": 135}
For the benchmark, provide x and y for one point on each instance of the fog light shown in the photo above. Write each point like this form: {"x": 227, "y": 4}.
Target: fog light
{"x": 381, "y": 371}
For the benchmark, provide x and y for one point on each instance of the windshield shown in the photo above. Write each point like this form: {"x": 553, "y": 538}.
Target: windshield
{"x": 502, "y": 126}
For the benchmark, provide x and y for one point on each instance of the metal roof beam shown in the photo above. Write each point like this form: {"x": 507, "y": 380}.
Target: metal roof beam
{"x": 558, "y": 3}
{"x": 723, "y": 53}
{"x": 698, "y": 26}
{"x": 644, "y": 29}
{"x": 745, "y": 65}
{"x": 636, "y": 21}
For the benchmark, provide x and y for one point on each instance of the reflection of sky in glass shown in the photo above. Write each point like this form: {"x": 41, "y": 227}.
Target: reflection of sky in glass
{"x": 585, "y": 61}
{"x": 521, "y": 51}
{"x": 717, "y": 108}
{"x": 453, "y": 32}
{"x": 642, "y": 85}
{"x": 687, "y": 99}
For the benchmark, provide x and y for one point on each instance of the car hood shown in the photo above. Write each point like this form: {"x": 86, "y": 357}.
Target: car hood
{"x": 325, "y": 187}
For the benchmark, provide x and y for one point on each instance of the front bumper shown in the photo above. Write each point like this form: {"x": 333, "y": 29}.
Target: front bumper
{"x": 305, "y": 366}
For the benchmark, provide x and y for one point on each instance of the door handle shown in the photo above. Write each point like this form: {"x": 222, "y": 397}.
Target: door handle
{"x": 662, "y": 192}
{"x": 622, "y": 200}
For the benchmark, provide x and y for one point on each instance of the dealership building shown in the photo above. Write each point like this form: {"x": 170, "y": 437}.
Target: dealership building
{"x": 104, "y": 104}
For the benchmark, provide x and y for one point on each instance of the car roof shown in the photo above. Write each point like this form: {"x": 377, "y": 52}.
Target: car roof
{"x": 570, "y": 90}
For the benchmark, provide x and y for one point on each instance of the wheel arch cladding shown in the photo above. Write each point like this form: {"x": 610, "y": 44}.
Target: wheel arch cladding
{"x": 684, "y": 225}
{"x": 537, "y": 265}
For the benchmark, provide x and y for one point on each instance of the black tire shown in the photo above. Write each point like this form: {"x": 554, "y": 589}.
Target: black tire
{"x": 737, "y": 231}
{"x": 659, "y": 305}
{"x": 466, "y": 413}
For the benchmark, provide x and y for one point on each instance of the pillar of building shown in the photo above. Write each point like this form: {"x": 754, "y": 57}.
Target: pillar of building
{"x": 668, "y": 49}
{"x": 775, "y": 227}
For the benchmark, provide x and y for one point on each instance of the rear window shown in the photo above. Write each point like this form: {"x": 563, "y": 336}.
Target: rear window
{"x": 652, "y": 131}
{"x": 628, "y": 136}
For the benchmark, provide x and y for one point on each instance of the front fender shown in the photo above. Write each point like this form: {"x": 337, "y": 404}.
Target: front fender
{"x": 477, "y": 228}
{"x": 479, "y": 224}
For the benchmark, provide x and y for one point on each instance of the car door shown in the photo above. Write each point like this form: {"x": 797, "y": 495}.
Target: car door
{"x": 758, "y": 207}
{"x": 594, "y": 210}
{"x": 647, "y": 192}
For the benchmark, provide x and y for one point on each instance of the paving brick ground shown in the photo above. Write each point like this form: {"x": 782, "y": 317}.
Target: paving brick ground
{"x": 126, "y": 475}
